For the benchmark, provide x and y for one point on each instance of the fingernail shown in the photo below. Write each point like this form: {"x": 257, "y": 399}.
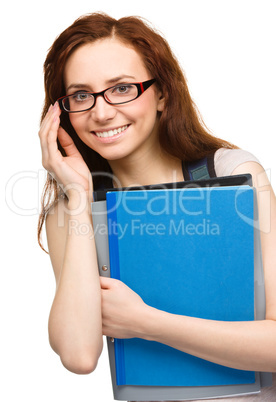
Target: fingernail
{"x": 50, "y": 107}
{"x": 56, "y": 105}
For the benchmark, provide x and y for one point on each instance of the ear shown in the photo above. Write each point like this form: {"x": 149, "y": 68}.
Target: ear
{"x": 161, "y": 102}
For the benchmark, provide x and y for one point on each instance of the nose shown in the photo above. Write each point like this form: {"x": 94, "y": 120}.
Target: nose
{"x": 102, "y": 111}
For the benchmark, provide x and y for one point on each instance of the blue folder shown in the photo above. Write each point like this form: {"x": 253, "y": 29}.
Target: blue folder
{"x": 188, "y": 252}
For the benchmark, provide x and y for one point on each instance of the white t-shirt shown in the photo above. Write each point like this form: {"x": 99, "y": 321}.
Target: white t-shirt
{"x": 226, "y": 160}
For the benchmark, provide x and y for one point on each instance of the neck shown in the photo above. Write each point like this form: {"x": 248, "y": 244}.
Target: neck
{"x": 156, "y": 168}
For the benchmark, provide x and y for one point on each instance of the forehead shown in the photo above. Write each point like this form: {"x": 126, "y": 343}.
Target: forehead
{"x": 99, "y": 62}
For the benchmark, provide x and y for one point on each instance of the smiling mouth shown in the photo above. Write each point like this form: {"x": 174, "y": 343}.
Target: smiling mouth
{"x": 110, "y": 133}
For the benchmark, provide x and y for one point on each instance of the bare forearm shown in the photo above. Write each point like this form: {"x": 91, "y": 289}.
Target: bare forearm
{"x": 241, "y": 345}
{"x": 75, "y": 326}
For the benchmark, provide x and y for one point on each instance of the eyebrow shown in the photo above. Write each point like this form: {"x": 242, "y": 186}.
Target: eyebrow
{"x": 120, "y": 78}
{"x": 108, "y": 82}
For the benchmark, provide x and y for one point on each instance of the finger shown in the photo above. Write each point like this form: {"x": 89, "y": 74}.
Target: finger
{"x": 46, "y": 126}
{"x": 67, "y": 143}
{"x": 51, "y": 142}
{"x": 46, "y": 117}
{"x": 48, "y": 141}
{"x": 104, "y": 282}
{"x": 46, "y": 122}
{"x": 107, "y": 283}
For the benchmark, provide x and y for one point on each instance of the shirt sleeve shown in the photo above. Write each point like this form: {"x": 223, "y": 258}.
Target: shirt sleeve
{"x": 227, "y": 160}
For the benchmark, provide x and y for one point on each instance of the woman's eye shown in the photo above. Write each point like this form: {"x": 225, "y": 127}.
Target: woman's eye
{"x": 122, "y": 89}
{"x": 81, "y": 96}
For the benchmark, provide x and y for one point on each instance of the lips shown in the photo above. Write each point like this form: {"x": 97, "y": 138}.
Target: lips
{"x": 110, "y": 133}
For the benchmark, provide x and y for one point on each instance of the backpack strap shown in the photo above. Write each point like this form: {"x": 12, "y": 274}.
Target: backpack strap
{"x": 202, "y": 169}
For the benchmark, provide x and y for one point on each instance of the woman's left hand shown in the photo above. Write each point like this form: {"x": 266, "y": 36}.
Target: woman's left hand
{"x": 123, "y": 310}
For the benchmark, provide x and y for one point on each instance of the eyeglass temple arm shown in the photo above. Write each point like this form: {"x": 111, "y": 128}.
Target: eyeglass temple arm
{"x": 146, "y": 85}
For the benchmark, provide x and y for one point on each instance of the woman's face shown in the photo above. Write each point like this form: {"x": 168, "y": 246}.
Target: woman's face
{"x": 97, "y": 66}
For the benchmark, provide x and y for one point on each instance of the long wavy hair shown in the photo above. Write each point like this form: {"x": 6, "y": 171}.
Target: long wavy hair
{"x": 182, "y": 132}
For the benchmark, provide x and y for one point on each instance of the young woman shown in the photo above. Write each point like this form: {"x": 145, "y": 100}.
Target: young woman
{"x": 125, "y": 115}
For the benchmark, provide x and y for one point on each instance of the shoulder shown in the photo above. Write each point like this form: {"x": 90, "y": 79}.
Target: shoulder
{"x": 227, "y": 160}
{"x": 246, "y": 163}
{"x": 238, "y": 161}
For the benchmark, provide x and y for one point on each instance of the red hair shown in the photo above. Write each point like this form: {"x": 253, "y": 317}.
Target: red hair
{"x": 181, "y": 130}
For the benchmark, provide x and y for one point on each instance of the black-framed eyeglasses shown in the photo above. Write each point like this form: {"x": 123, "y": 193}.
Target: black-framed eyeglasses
{"x": 82, "y": 101}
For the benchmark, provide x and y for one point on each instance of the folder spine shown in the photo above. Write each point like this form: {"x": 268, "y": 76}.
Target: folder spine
{"x": 115, "y": 273}
{"x": 119, "y": 360}
{"x": 113, "y": 239}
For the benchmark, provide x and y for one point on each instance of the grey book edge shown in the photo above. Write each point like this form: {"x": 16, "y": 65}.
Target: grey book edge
{"x": 146, "y": 393}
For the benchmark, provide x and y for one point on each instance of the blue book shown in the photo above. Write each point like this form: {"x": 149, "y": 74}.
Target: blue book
{"x": 188, "y": 252}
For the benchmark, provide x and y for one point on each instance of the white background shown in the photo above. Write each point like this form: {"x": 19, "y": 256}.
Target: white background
{"x": 227, "y": 49}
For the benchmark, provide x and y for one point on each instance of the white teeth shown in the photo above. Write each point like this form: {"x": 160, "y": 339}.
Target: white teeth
{"x": 110, "y": 133}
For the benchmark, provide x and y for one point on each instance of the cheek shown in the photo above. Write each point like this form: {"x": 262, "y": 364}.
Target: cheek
{"x": 144, "y": 108}
{"x": 77, "y": 122}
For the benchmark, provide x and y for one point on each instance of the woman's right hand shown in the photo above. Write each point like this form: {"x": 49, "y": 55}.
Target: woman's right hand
{"x": 70, "y": 172}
